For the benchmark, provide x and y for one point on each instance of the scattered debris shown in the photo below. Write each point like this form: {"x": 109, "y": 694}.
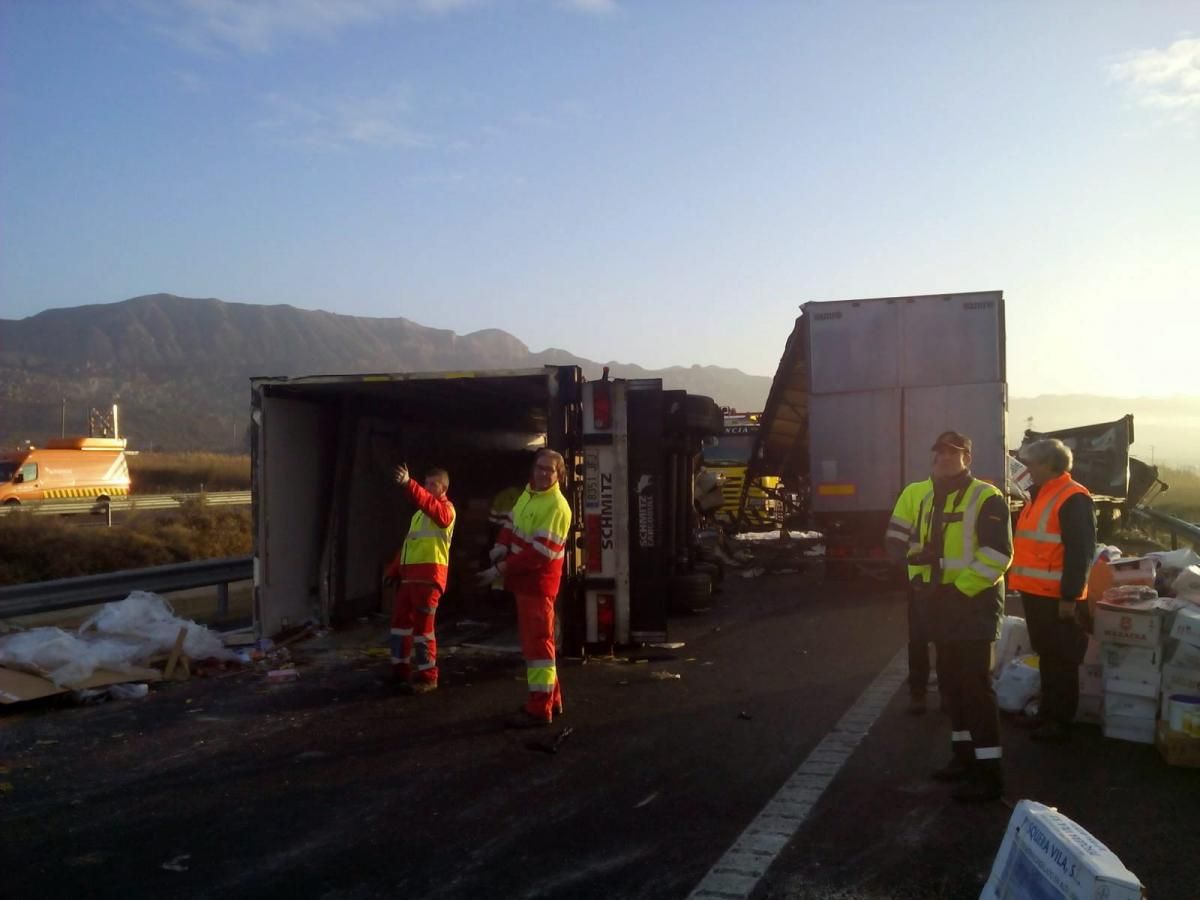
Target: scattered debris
{"x": 665, "y": 676}
{"x": 177, "y": 864}
{"x": 551, "y": 747}
{"x": 647, "y": 801}
{"x": 669, "y": 645}
{"x": 745, "y": 716}
{"x": 281, "y": 676}
{"x": 755, "y": 572}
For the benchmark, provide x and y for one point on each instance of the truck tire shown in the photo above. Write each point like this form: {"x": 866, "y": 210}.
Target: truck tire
{"x": 690, "y": 593}
{"x": 698, "y": 414}
{"x": 12, "y": 501}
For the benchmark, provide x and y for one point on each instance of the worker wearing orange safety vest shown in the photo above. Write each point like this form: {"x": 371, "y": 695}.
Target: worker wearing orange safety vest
{"x": 1054, "y": 544}
{"x": 529, "y": 554}
{"x": 419, "y": 571}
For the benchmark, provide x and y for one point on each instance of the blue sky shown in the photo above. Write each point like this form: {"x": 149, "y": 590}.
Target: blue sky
{"x": 655, "y": 182}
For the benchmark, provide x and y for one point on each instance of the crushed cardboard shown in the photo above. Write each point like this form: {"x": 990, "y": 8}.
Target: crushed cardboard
{"x": 19, "y": 687}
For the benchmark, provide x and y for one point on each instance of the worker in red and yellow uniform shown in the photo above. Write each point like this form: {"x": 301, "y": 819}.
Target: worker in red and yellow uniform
{"x": 534, "y": 546}
{"x": 1054, "y": 545}
{"x": 419, "y": 572}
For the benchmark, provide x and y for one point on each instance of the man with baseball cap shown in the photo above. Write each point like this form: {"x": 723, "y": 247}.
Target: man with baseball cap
{"x": 953, "y": 533}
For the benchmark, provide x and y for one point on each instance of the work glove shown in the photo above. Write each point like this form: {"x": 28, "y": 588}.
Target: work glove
{"x": 497, "y": 552}
{"x": 401, "y": 473}
{"x": 487, "y": 576}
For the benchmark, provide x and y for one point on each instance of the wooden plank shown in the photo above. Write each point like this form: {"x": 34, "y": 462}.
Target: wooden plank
{"x": 176, "y": 652}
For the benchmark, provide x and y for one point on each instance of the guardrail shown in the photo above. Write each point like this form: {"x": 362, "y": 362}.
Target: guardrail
{"x": 1177, "y": 528}
{"x": 67, "y": 593}
{"x": 131, "y": 503}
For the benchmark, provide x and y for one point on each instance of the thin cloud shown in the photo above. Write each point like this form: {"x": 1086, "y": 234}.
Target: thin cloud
{"x": 340, "y": 123}
{"x": 257, "y": 26}
{"x": 591, "y": 7}
{"x": 1167, "y": 80}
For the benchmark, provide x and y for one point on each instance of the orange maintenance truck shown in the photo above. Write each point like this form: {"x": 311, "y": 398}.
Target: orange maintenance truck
{"x": 70, "y": 468}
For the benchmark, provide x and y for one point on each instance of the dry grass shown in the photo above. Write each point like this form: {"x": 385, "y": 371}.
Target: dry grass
{"x": 1183, "y": 498}
{"x": 33, "y": 548}
{"x": 162, "y": 473}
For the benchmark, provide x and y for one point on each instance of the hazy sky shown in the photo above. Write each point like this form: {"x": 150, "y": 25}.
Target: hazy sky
{"x": 657, "y": 182}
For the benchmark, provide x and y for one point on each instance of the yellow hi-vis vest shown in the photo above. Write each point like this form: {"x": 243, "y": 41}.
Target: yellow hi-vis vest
{"x": 964, "y": 563}
{"x": 425, "y": 555}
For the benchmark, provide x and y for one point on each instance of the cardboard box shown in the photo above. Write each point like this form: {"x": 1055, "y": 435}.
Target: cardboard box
{"x": 1091, "y": 680}
{"x": 1130, "y": 706}
{"x": 1135, "y": 570}
{"x": 1045, "y": 854}
{"x": 1125, "y": 663}
{"x": 1132, "y": 688}
{"x": 17, "y": 687}
{"x": 1177, "y": 749}
{"x": 1120, "y": 728}
{"x": 1187, "y": 625}
{"x": 1138, "y": 624}
{"x": 1182, "y": 655}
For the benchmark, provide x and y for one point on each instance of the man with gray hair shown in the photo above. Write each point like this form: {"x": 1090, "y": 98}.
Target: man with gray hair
{"x": 1053, "y": 548}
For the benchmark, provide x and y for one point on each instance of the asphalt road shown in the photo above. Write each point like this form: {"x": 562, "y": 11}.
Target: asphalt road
{"x": 336, "y": 787}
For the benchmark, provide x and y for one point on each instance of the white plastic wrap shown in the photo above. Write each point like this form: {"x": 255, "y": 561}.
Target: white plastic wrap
{"x": 1020, "y": 682}
{"x": 119, "y": 636}
{"x": 149, "y": 620}
{"x": 66, "y": 659}
{"x": 1014, "y": 642}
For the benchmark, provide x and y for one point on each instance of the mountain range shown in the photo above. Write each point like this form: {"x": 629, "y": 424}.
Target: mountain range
{"x": 179, "y": 366}
{"x": 179, "y": 369}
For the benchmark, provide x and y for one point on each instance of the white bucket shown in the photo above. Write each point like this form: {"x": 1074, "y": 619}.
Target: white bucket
{"x": 1183, "y": 713}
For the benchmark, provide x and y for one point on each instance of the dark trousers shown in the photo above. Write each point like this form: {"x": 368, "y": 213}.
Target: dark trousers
{"x": 974, "y": 718}
{"x": 919, "y": 667}
{"x": 919, "y": 616}
{"x": 1060, "y": 645}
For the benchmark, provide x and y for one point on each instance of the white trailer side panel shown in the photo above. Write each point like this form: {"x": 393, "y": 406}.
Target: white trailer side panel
{"x": 291, "y": 527}
{"x": 854, "y": 451}
{"x": 853, "y": 345}
{"x": 952, "y": 339}
{"x": 976, "y": 410}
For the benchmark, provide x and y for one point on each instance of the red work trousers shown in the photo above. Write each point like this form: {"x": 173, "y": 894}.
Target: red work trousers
{"x": 413, "y": 644}
{"x": 535, "y": 623}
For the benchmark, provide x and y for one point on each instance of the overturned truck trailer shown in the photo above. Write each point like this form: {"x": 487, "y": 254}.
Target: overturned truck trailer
{"x": 328, "y": 516}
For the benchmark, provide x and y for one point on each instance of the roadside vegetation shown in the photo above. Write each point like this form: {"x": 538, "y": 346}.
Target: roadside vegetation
{"x": 1182, "y": 500}
{"x": 188, "y": 473}
{"x": 40, "y": 548}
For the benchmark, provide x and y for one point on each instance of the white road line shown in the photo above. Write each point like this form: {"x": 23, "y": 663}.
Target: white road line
{"x": 738, "y": 872}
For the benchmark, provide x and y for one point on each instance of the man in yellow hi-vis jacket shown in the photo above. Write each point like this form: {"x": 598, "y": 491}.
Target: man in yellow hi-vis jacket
{"x": 534, "y": 546}
{"x": 954, "y": 533}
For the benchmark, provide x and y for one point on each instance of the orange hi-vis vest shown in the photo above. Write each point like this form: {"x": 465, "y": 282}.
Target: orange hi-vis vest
{"x": 1037, "y": 542}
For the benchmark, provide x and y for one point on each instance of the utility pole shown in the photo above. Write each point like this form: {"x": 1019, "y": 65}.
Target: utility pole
{"x": 64, "y": 417}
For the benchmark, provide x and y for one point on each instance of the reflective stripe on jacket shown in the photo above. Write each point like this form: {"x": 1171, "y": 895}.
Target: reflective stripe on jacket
{"x": 536, "y": 542}
{"x": 1038, "y": 552}
{"x": 971, "y": 567}
{"x": 425, "y": 554}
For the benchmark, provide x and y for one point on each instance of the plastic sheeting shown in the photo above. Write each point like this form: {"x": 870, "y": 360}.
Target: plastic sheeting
{"x": 119, "y": 636}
